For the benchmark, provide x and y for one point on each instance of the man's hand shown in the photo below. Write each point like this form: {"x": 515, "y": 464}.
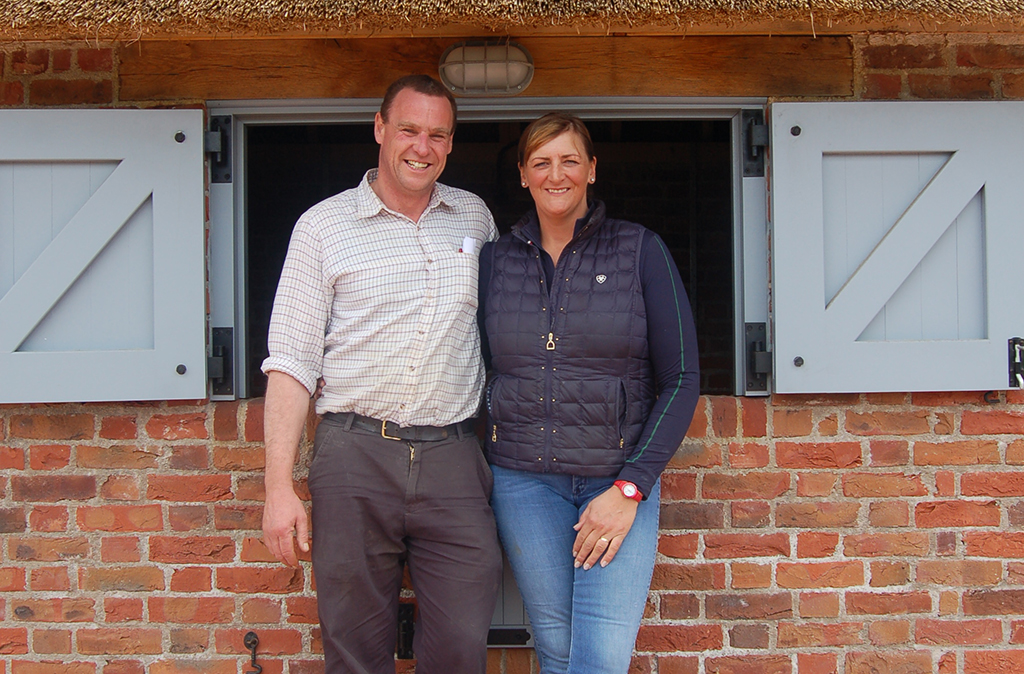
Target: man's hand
{"x": 284, "y": 521}
{"x": 602, "y": 527}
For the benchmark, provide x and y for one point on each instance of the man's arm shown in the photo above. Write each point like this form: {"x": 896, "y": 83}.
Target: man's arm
{"x": 284, "y": 515}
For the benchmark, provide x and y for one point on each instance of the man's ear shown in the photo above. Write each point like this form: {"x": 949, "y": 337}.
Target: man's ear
{"x": 378, "y": 129}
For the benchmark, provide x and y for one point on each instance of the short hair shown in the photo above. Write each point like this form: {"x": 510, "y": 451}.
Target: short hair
{"x": 550, "y": 126}
{"x": 421, "y": 84}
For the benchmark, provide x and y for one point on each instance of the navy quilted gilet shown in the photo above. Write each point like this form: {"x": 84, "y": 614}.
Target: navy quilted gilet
{"x": 572, "y": 383}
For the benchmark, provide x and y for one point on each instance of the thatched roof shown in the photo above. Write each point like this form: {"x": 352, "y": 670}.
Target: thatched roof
{"x": 107, "y": 18}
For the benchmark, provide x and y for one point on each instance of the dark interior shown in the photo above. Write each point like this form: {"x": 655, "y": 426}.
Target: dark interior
{"x": 672, "y": 176}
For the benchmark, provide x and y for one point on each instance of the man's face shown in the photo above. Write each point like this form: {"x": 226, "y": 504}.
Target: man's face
{"x": 414, "y": 142}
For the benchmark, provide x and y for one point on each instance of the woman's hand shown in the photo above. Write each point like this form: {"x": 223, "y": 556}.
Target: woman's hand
{"x": 602, "y": 527}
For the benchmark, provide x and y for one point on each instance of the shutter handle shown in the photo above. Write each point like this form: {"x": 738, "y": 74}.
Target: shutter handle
{"x": 181, "y": 369}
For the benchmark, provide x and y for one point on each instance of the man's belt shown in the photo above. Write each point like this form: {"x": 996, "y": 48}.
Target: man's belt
{"x": 392, "y": 431}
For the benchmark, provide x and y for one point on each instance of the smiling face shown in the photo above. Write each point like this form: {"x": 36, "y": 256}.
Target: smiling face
{"x": 557, "y": 174}
{"x": 414, "y": 141}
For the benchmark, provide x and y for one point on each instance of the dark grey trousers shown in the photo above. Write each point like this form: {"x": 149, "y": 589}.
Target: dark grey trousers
{"x": 378, "y": 503}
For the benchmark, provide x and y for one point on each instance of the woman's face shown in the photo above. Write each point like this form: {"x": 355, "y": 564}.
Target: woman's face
{"x": 557, "y": 174}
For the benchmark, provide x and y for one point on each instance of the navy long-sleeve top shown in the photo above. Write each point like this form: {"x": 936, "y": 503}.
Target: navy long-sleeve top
{"x": 672, "y": 345}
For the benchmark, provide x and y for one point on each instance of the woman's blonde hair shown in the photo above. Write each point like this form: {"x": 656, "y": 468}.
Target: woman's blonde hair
{"x": 552, "y": 125}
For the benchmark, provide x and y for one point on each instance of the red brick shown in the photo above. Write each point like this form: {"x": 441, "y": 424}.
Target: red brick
{"x": 131, "y": 578}
{"x": 754, "y": 413}
{"x": 992, "y": 484}
{"x": 48, "y": 457}
{"x": 39, "y": 549}
{"x": 819, "y": 574}
{"x": 53, "y": 488}
{"x": 120, "y": 549}
{"x": 192, "y": 579}
{"x": 259, "y": 610}
{"x": 275, "y": 580}
{"x": 889, "y": 452}
{"x": 678, "y": 486}
{"x": 815, "y": 484}
{"x": 724, "y": 416}
{"x": 747, "y": 455}
{"x": 814, "y": 635}
{"x": 993, "y": 662}
{"x": 12, "y": 520}
{"x": 817, "y": 514}
{"x": 816, "y": 663}
{"x": 1015, "y": 453}
{"x": 56, "y": 427}
{"x": 680, "y": 606}
{"x": 963, "y": 453}
{"x": 818, "y": 454}
{"x": 884, "y": 603}
{"x": 994, "y": 602}
{"x": 177, "y": 426}
{"x": 959, "y": 573}
{"x": 886, "y": 574}
{"x": 759, "y": 606}
{"x": 913, "y": 422}
{"x": 876, "y": 485}
{"x": 819, "y": 605}
{"x": 904, "y": 544}
{"x": 272, "y": 642}
{"x": 879, "y": 86}
{"x": 202, "y": 610}
{"x": 994, "y": 544}
{"x": 13, "y": 641}
{"x": 989, "y": 55}
{"x": 761, "y": 485}
{"x": 749, "y": 636}
{"x": 945, "y": 483}
{"x": 194, "y": 667}
{"x": 50, "y": 579}
{"x": 751, "y": 576}
{"x": 51, "y": 641}
{"x": 52, "y": 667}
{"x": 121, "y": 488}
{"x": 947, "y": 398}
{"x": 120, "y": 610}
{"x": 253, "y": 550}
{"x": 124, "y": 667}
{"x": 683, "y": 546}
{"x": 749, "y": 664}
{"x": 238, "y": 459}
{"x": 750, "y": 514}
{"x": 733, "y": 546}
{"x": 196, "y": 549}
{"x": 1013, "y": 87}
{"x": 692, "y": 515}
{"x": 254, "y": 420}
{"x": 679, "y": 638}
{"x": 12, "y": 579}
{"x": 30, "y": 62}
{"x": 12, "y": 458}
{"x": 889, "y": 514}
{"x": 119, "y": 641}
{"x": 54, "y": 610}
{"x": 790, "y": 422}
{"x": 1016, "y": 632}
{"x": 992, "y": 422}
{"x": 190, "y": 457}
{"x": 696, "y": 455}
{"x": 816, "y": 544}
{"x": 189, "y": 488}
{"x": 695, "y": 577}
{"x": 952, "y": 514}
{"x": 903, "y": 56}
{"x": 699, "y": 425}
{"x": 225, "y": 420}
{"x": 190, "y": 640}
{"x": 130, "y": 457}
{"x": 119, "y": 428}
{"x": 188, "y": 518}
{"x": 302, "y": 610}
{"x": 945, "y": 423}
{"x": 96, "y": 60}
{"x": 13, "y": 93}
{"x": 958, "y": 632}
{"x": 120, "y": 518}
{"x": 889, "y": 632}
{"x": 828, "y": 426}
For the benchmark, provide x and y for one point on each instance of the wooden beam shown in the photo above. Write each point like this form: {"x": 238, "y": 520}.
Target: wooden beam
{"x": 565, "y": 66}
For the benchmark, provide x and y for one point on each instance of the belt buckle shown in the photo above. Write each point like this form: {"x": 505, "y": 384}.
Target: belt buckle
{"x": 383, "y": 433}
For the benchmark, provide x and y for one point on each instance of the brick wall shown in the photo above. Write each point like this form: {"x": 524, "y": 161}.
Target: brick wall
{"x": 801, "y": 535}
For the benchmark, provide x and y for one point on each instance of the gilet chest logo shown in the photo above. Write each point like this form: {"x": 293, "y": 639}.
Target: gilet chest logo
{"x": 600, "y": 278}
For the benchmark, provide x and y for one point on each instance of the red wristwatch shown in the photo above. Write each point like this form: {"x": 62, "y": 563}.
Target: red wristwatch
{"x": 629, "y": 490}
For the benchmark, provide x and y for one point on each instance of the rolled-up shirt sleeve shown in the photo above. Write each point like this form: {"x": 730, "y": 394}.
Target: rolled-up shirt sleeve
{"x": 302, "y": 308}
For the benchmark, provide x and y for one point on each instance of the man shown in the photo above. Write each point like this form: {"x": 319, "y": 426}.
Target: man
{"x": 378, "y": 298}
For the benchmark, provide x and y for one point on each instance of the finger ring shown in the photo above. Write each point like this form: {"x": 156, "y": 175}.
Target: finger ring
{"x": 603, "y": 539}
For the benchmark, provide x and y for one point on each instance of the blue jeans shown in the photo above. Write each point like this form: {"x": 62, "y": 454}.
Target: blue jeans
{"x": 584, "y": 622}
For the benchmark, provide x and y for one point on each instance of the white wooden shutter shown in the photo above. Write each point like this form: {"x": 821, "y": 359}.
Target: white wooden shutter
{"x": 896, "y": 244}
{"x": 101, "y": 255}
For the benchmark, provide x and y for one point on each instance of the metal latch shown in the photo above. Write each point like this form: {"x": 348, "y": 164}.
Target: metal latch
{"x": 217, "y": 143}
{"x": 759, "y": 358}
{"x": 1016, "y": 349}
{"x": 219, "y": 364}
{"x": 755, "y": 140}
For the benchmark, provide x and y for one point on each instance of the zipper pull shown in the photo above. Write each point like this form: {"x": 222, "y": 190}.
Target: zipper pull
{"x": 494, "y": 433}
{"x": 550, "y": 346}
{"x": 621, "y": 442}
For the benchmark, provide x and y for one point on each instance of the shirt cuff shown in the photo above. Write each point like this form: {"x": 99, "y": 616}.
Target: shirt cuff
{"x": 293, "y": 369}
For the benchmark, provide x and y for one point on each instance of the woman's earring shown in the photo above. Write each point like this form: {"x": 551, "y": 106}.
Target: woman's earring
{"x": 524, "y": 183}
{"x": 591, "y": 181}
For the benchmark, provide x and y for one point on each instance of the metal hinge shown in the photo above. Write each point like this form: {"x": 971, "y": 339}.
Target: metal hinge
{"x": 406, "y": 631}
{"x": 755, "y": 140}
{"x": 759, "y": 358}
{"x": 217, "y": 142}
{"x": 1016, "y": 362}
{"x": 219, "y": 364}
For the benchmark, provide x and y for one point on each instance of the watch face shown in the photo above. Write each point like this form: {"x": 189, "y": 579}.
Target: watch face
{"x": 629, "y": 490}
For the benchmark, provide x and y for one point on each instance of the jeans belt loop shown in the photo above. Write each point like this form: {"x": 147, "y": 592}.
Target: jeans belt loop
{"x": 349, "y": 420}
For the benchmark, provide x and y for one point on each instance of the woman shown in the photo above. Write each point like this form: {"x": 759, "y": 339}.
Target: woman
{"x": 594, "y": 381}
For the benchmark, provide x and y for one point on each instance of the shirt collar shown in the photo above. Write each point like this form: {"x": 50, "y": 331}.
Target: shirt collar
{"x": 368, "y": 204}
